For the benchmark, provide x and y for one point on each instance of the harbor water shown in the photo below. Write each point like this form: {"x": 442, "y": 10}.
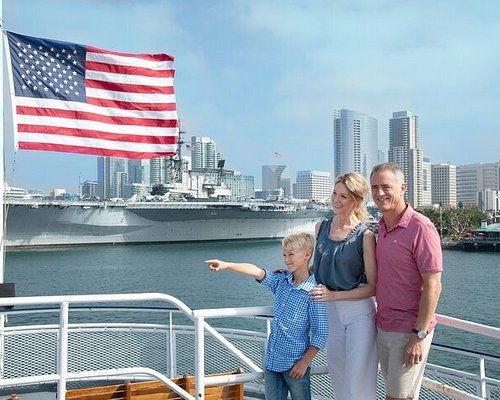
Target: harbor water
{"x": 470, "y": 281}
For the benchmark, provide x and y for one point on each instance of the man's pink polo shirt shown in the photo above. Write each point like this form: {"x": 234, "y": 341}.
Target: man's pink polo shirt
{"x": 406, "y": 251}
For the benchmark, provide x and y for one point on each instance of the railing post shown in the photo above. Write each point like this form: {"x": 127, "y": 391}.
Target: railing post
{"x": 199, "y": 332}
{"x": 173, "y": 363}
{"x": 62, "y": 350}
{"x": 482, "y": 377}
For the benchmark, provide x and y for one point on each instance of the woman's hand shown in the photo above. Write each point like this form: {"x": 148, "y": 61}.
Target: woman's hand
{"x": 320, "y": 293}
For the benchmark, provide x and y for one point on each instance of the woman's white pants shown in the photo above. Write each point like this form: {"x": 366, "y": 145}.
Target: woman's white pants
{"x": 352, "y": 349}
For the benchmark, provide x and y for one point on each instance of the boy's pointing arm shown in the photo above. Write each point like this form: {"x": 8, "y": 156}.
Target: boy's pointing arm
{"x": 241, "y": 268}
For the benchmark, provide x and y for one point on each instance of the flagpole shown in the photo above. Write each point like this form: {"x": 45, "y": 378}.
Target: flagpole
{"x": 2, "y": 161}
{"x": 2, "y": 190}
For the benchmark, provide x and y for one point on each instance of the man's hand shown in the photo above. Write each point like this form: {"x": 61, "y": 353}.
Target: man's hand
{"x": 414, "y": 351}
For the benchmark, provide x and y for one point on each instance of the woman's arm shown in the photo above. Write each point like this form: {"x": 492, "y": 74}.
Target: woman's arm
{"x": 321, "y": 293}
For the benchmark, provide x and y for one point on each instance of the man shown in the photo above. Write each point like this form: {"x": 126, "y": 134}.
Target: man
{"x": 409, "y": 260}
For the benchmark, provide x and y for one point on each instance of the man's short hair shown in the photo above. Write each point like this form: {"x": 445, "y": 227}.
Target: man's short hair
{"x": 394, "y": 168}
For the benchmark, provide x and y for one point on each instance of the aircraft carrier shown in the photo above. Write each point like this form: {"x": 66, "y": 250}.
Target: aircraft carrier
{"x": 52, "y": 223}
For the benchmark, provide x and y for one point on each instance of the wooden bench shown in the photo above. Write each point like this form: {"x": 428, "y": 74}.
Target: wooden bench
{"x": 156, "y": 390}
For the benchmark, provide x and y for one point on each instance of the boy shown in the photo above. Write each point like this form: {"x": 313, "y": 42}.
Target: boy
{"x": 290, "y": 350}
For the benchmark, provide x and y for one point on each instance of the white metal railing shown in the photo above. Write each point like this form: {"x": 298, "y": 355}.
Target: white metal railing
{"x": 62, "y": 374}
{"x": 199, "y": 317}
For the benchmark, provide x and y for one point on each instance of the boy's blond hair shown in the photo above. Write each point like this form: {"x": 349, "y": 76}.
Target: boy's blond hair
{"x": 300, "y": 241}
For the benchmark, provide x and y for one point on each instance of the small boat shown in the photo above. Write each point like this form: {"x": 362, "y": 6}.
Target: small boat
{"x": 60, "y": 346}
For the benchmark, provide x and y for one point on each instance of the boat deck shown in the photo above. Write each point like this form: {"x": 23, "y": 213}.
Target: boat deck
{"x": 69, "y": 341}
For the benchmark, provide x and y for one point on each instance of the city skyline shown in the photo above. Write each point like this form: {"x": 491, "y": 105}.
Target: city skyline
{"x": 263, "y": 78}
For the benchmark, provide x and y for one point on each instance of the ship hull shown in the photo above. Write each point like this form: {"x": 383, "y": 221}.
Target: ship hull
{"x": 70, "y": 224}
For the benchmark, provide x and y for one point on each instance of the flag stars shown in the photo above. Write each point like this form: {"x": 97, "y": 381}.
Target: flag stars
{"x": 47, "y": 71}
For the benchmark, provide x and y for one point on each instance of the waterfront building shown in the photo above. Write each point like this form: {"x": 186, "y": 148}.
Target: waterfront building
{"x": 57, "y": 193}
{"x": 204, "y": 153}
{"x": 313, "y": 185}
{"x": 381, "y": 157}
{"x": 14, "y": 192}
{"x": 404, "y": 150}
{"x": 444, "y": 184}
{"x": 109, "y": 170}
{"x": 426, "y": 182}
{"x": 160, "y": 171}
{"x": 139, "y": 171}
{"x": 355, "y": 142}
{"x": 276, "y": 177}
{"x": 89, "y": 190}
{"x": 120, "y": 182}
{"x": 489, "y": 201}
{"x": 474, "y": 178}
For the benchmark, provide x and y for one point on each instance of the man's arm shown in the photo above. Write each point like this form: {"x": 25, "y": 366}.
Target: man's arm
{"x": 428, "y": 304}
{"x": 241, "y": 268}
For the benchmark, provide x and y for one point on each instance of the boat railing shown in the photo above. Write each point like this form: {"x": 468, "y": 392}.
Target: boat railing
{"x": 63, "y": 374}
{"x": 155, "y": 347}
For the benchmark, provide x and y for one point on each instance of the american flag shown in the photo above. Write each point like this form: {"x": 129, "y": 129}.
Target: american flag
{"x": 79, "y": 99}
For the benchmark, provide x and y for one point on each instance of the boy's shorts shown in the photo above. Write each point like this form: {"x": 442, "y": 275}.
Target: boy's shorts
{"x": 400, "y": 381}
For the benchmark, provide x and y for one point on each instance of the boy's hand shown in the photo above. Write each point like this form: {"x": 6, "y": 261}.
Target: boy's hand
{"x": 217, "y": 265}
{"x": 299, "y": 369}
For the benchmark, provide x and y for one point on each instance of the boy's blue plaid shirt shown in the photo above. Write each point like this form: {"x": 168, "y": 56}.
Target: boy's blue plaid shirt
{"x": 298, "y": 321}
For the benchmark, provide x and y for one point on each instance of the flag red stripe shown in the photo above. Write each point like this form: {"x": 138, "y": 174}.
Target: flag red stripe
{"x": 89, "y": 150}
{"x": 127, "y": 105}
{"x": 149, "y": 57}
{"x": 93, "y": 134}
{"x": 88, "y": 116}
{"x": 128, "y": 70}
{"x": 128, "y": 88}
{"x": 128, "y": 110}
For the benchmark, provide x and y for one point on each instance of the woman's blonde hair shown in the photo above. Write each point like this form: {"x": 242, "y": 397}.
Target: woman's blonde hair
{"x": 358, "y": 188}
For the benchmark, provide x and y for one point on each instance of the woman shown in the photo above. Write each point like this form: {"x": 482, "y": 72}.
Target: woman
{"x": 346, "y": 270}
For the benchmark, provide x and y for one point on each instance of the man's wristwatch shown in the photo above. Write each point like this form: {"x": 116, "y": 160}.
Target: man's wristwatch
{"x": 420, "y": 334}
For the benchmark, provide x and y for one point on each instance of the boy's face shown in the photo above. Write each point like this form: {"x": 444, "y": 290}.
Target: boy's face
{"x": 296, "y": 259}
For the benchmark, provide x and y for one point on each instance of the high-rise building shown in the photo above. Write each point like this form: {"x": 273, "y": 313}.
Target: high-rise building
{"x": 444, "y": 184}
{"x": 313, "y": 185}
{"x": 110, "y": 180}
{"x": 276, "y": 177}
{"x": 138, "y": 171}
{"x": 404, "y": 150}
{"x": 355, "y": 142}
{"x": 426, "y": 182}
{"x": 204, "y": 153}
{"x": 474, "y": 178}
{"x": 489, "y": 201}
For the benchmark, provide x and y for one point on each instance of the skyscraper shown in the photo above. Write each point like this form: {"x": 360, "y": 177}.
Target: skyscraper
{"x": 355, "y": 142}
{"x": 204, "y": 153}
{"x": 111, "y": 177}
{"x": 404, "y": 150}
{"x": 426, "y": 182}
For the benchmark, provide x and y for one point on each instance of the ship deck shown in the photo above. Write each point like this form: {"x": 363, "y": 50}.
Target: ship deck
{"x": 60, "y": 342}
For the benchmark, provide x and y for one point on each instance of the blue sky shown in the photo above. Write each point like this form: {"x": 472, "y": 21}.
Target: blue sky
{"x": 264, "y": 76}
